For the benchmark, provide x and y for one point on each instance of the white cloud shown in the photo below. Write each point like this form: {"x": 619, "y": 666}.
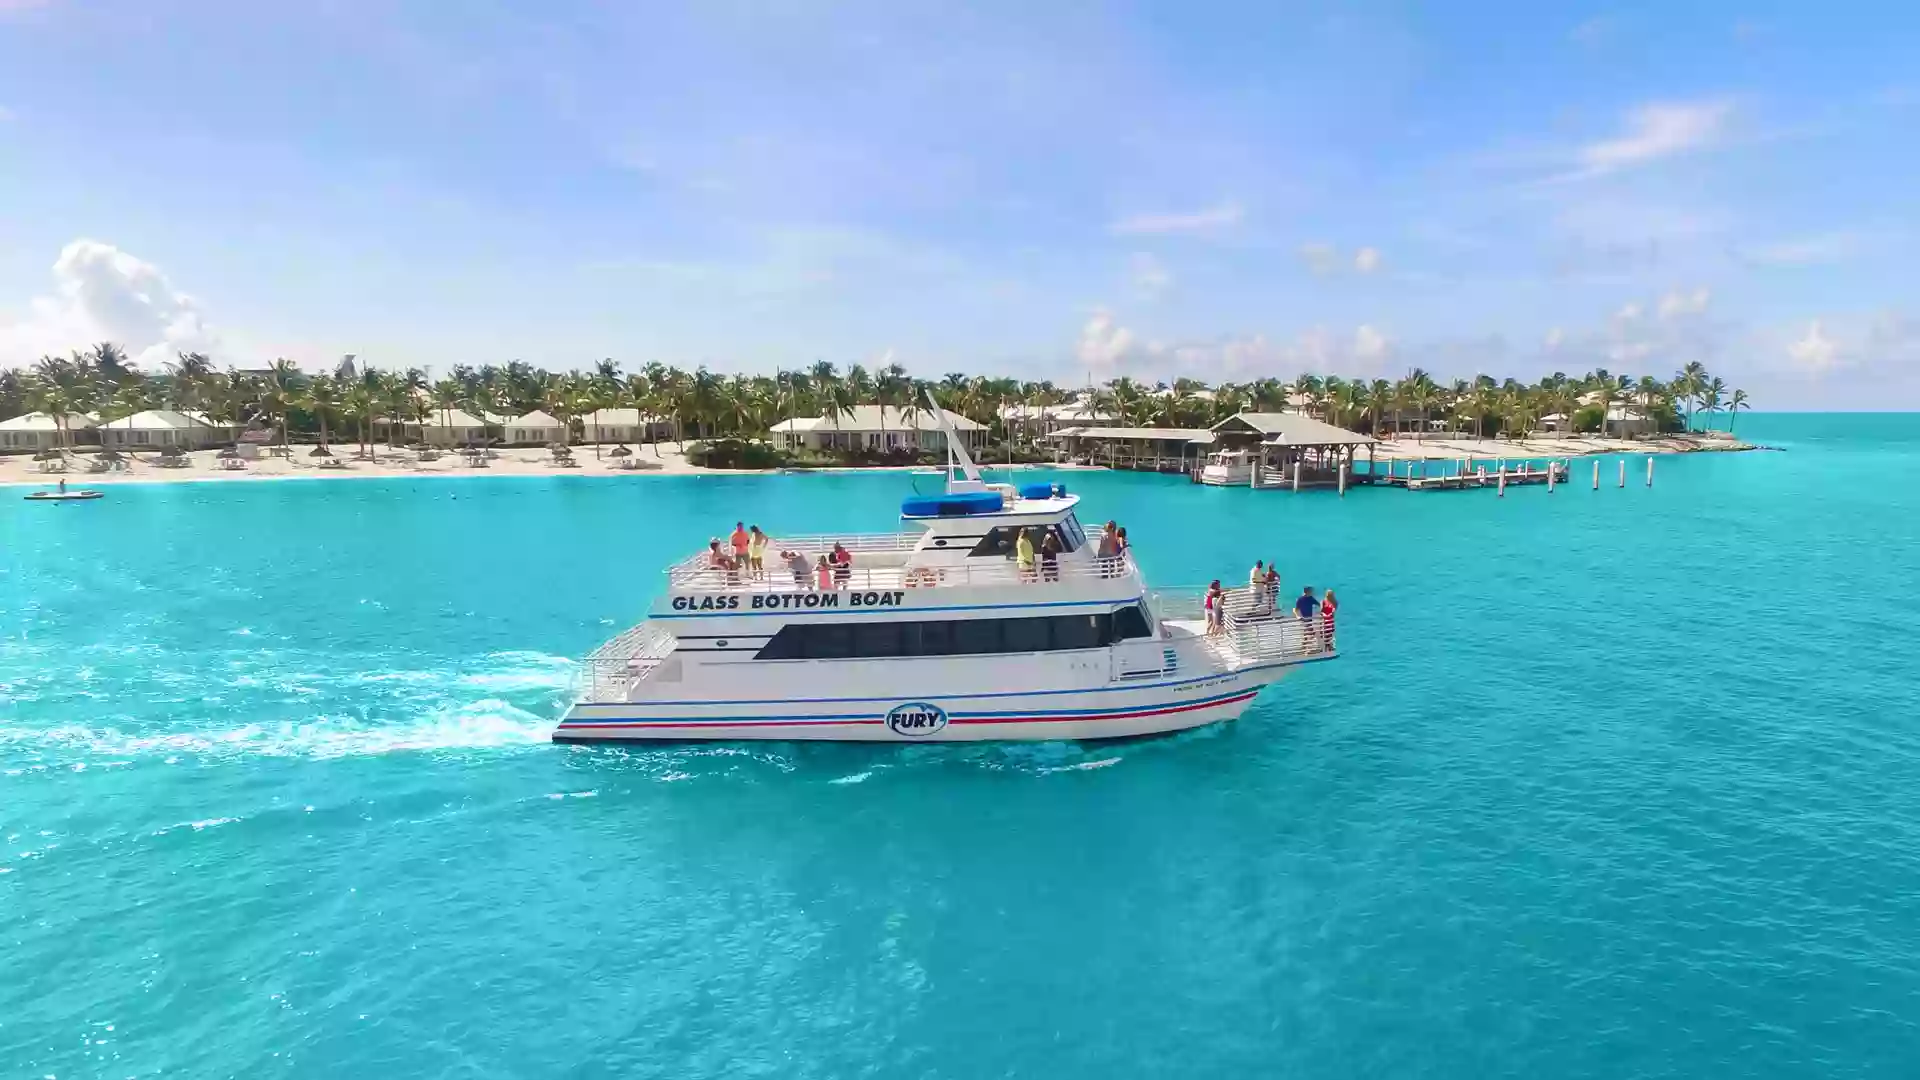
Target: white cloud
{"x": 1676, "y": 303}
{"x": 1370, "y": 345}
{"x": 1324, "y": 260}
{"x": 1321, "y": 259}
{"x": 1658, "y": 130}
{"x": 1627, "y": 313}
{"x": 1807, "y": 250}
{"x": 1210, "y": 219}
{"x": 104, "y": 294}
{"x": 1104, "y": 344}
{"x": 1814, "y": 350}
{"x": 1553, "y": 339}
{"x": 1149, "y": 277}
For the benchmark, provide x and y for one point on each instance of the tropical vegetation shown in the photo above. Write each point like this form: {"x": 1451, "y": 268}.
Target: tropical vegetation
{"x": 705, "y": 405}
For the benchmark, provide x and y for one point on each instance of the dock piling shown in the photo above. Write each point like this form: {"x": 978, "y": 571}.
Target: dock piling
{"x": 1596, "y": 476}
{"x": 1623, "y": 472}
{"x": 1550, "y": 472}
{"x": 1502, "y": 489}
{"x": 1649, "y": 470}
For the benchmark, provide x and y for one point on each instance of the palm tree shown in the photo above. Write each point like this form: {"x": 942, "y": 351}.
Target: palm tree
{"x": 277, "y": 392}
{"x": 447, "y": 395}
{"x": 1738, "y": 402}
{"x": 322, "y": 398}
{"x": 357, "y": 405}
{"x": 1380, "y": 399}
{"x": 1711, "y": 395}
{"x": 890, "y": 385}
{"x": 1688, "y": 385}
{"x": 129, "y": 399}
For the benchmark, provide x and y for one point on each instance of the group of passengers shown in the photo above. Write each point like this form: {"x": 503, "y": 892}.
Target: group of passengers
{"x": 1263, "y": 594}
{"x": 1040, "y": 561}
{"x": 745, "y": 556}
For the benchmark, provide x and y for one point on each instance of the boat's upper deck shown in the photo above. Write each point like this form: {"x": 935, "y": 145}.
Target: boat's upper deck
{"x": 966, "y": 540}
{"x": 887, "y": 561}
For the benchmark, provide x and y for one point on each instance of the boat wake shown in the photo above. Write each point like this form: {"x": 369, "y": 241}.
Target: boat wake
{"x": 485, "y": 724}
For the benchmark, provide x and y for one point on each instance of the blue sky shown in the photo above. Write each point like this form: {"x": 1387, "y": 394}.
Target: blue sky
{"x": 1225, "y": 191}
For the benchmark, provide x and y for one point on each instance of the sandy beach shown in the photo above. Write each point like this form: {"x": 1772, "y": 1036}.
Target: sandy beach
{"x": 1447, "y": 448}
{"x": 204, "y": 466}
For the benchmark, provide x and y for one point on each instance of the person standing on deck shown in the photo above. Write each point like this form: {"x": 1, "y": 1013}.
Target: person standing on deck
{"x": 1273, "y": 586}
{"x": 842, "y": 561}
{"x": 1050, "y": 556}
{"x": 1306, "y": 607}
{"x": 757, "y": 551}
{"x": 1257, "y": 588}
{"x": 1214, "y": 597}
{"x": 797, "y": 563}
{"x": 823, "y": 575}
{"x": 1106, "y": 548}
{"x": 1023, "y": 554}
{"x": 739, "y": 541}
{"x": 1327, "y": 606}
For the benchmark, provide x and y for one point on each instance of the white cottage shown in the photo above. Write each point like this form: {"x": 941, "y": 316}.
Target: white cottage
{"x": 623, "y": 426}
{"x": 39, "y": 431}
{"x": 155, "y": 428}
{"x": 452, "y": 427}
{"x": 875, "y": 427}
{"x": 534, "y": 427}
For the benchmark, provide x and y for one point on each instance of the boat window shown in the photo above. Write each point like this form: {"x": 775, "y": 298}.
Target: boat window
{"x": 952, "y": 637}
{"x": 927, "y": 638}
{"x": 1026, "y": 635}
{"x": 1130, "y": 622}
{"x": 1081, "y": 631}
{"x": 976, "y": 636}
{"x": 1071, "y": 532}
{"x": 877, "y": 639}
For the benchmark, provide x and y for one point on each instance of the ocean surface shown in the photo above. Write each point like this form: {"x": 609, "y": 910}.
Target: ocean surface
{"x": 1616, "y": 783}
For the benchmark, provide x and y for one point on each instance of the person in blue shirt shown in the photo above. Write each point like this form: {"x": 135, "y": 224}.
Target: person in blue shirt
{"x": 1306, "y": 607}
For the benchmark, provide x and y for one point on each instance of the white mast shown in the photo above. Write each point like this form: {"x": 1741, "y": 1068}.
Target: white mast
{"x": 957, "y": 458}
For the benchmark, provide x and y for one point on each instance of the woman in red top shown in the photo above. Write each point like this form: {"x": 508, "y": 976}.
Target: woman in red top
{"x": 1327, "y": 604}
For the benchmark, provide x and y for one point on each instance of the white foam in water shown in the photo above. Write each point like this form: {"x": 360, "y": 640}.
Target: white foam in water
{"x": 853, "y": 779}
{"x": 480, "y": 724}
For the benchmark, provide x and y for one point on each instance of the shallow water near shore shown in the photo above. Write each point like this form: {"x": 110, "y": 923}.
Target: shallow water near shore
{"x": 1605, "y": 783}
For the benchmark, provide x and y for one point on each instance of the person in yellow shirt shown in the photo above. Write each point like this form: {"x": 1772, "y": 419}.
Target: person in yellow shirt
{"x": 1023, "y": 555}
{"x": 757, "y": 552}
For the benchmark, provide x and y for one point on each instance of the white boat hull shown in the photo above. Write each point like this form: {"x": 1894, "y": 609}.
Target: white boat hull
{"x": 1104, "y": 713}
{"x": 1226, "y": 475}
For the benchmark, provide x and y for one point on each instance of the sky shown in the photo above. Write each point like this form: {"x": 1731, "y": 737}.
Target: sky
{"x": 1067, "y": 190}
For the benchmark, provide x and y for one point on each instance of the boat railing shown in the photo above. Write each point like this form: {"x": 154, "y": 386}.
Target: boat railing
{"x": 694, "y": 566}
{"x": 975, "y": 572}
{"x": 610, "y": 672}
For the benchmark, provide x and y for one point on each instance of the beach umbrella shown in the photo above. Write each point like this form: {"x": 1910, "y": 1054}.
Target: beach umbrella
{"x": 46, "y": 455}
{"x": 320, "y": 451}
{"x": 230, "y": 452}
{"x": 109, "y": 455}
{"x": 620, "y": 451}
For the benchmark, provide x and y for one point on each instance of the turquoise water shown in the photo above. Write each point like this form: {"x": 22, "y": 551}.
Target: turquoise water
{"x": 1616, "y": 783}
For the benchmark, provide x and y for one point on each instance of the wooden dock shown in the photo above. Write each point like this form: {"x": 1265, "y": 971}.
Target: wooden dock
{"x": 1555, "y": 472}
